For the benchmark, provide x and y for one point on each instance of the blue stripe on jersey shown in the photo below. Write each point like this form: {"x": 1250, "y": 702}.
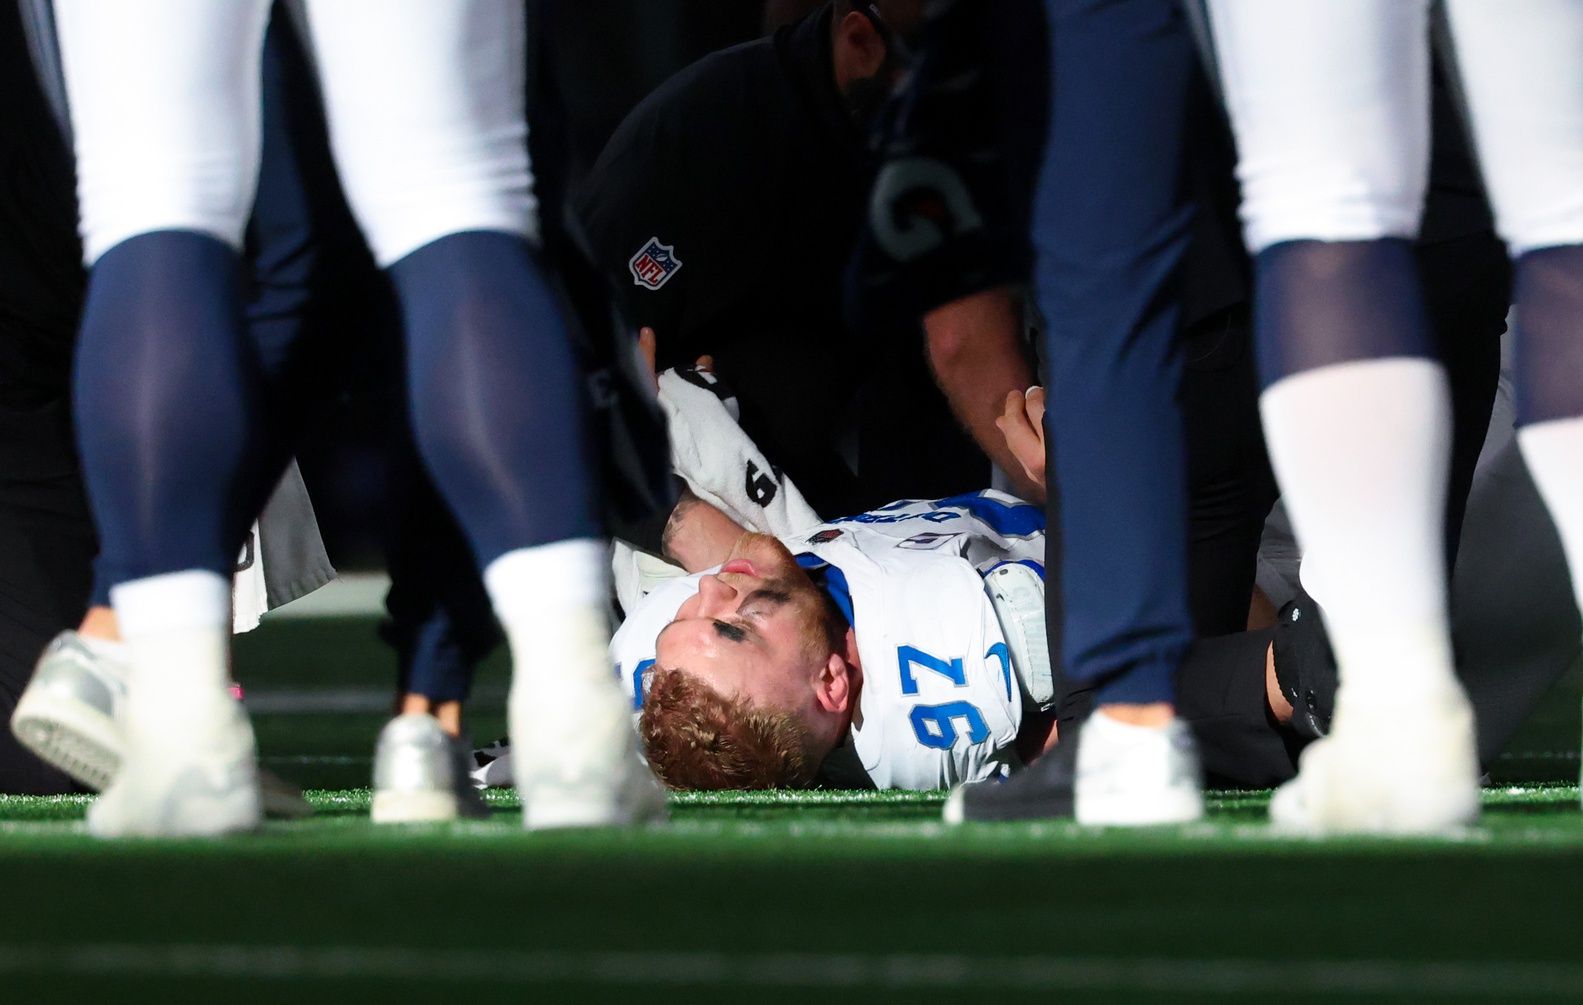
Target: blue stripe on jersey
{"x": 1006, "y": 519}
{"x": 833, "y": 581}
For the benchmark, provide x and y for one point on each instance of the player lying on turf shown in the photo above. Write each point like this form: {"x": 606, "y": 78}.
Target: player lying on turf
{"x": 901, "y": 648}
{"x": 904, "y": 648}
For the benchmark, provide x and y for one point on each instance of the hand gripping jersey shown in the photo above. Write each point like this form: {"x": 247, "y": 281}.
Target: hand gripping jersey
{"x": 940, "y": 702}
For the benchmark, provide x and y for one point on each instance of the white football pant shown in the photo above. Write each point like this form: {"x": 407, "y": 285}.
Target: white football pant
{"x": 1330, "y": 104}
{"x": 424, "y": 99}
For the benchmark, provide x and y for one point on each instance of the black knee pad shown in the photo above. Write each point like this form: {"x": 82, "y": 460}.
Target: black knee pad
{"x": 1305, "y": 666}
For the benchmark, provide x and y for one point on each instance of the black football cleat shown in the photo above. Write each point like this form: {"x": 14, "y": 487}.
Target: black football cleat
{"x": 1045, "y": 790}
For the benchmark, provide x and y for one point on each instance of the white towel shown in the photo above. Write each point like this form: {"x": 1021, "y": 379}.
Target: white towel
{"x": 721, "y": 466}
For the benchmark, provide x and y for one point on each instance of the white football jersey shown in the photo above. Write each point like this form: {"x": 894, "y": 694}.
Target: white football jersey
{"x": 939, "y": 703}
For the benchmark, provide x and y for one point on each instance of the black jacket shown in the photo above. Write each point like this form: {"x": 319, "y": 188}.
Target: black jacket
{"x": 747, "y": 168}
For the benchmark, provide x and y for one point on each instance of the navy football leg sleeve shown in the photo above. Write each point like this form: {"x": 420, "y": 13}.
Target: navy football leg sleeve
{"x": 1549, "y": 356}
{"x": 1319, "y": 303}
{"x": 166, "y": 391}
{"x": 498, "y": 400}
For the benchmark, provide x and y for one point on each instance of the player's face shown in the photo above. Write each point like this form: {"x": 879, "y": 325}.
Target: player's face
{"x": 753, "y": 629}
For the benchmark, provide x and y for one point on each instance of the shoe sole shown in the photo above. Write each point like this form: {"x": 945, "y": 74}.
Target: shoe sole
{"x": 414, "y": 808}
{"x": 1432, "y": 787}
{"x": 219, "y": 815}
{"x": 1407, "y": 815}
{"x": 1162, "y": 810}
{"x": 68, "y": 735}
{"x": 565, "y": 815}
{"x": 550, "y": 810}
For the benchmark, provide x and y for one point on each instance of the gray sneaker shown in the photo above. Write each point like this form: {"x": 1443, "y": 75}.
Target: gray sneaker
{"x": 420, "y": 774}
{"x": 66, "y": 715}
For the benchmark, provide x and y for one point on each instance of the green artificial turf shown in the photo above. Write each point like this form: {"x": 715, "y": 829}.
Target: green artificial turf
{"x": 806, "y": 897}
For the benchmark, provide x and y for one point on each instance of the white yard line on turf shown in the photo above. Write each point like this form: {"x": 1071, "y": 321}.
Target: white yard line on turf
{"x": 810, "y": 970}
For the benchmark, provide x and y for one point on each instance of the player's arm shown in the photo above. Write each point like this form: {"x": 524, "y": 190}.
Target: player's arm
{"x": 698, "y": 536}
{"x": 976, "y": 352}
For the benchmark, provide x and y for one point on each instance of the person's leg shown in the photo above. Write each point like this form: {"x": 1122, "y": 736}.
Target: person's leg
{"x": 440, "y": 621}
{"x": 1524, "y": 89}
{"x": 164, "y": 100}
{"x": 1224, "y": 694}
{"x": 68, "y": 712}
{"x": 1107, "y": 259}
{"x": 1230, "y": 485}
{"x": 425, "y": 106}
{"x": 1514, "y": 622}
{"x": 1110, "y": 229}
{"x": 46, "y": 547}
{"x": 1467, "y": 287}
{"x": 1329, "y": 102}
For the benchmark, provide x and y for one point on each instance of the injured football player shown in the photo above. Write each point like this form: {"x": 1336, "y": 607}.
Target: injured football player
{"x": 762, "y": 679}
{"x": 901, "y": 648}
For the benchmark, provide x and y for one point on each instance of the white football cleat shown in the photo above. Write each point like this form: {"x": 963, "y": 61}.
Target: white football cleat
{"x": 420, "y": 774}
{"x": 68, "y": 716}
{"x": 67, "y": 713}
{"x": 190, "y": 769}
{"x": 1401, "y": 768}
{"x": 574, "y": 755}
{"x": 1136, "y": 776}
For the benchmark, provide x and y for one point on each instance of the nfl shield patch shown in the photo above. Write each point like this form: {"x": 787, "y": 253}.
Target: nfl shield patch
{"x": 654, "y": 264}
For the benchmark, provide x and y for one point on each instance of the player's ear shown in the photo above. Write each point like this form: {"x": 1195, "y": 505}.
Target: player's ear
{"x": 859, "y": 45}
{"x": 833, "y": 686}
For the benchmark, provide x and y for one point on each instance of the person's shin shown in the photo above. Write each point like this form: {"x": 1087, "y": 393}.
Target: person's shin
{"x": 1356, "y": 413}
{"x": 1550, "y": 389}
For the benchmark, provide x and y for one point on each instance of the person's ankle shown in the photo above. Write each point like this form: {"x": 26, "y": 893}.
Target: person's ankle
{"x": 100, "y": 623}
{"x": 447, "y": 713}
{"x": 1154, "y": 715}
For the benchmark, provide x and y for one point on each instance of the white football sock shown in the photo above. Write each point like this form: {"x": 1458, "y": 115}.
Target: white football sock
{"x": 177, "y": 632}
{"x": 553, "y": 602}
{"x": 1554, "y": 453}
{"x": 1361, "y": 452}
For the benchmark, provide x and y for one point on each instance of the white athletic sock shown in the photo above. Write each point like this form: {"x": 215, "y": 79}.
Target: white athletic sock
{"x": 1554, "y": 453}
{"x": 1361, "y": 452}
{"x": 553, "y": 601}
{"x": 177, "y": 632}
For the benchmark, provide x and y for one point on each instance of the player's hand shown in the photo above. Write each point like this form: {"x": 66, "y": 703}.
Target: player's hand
{"x": 648, "y": 345}
{"x": 1021, "y": 422}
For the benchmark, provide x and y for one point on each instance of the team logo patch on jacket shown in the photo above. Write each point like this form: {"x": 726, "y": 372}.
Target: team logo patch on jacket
{"x": 654, "y": 264}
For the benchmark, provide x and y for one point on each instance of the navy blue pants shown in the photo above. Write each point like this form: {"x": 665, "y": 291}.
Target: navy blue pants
{"x": 1110, "y": 229}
